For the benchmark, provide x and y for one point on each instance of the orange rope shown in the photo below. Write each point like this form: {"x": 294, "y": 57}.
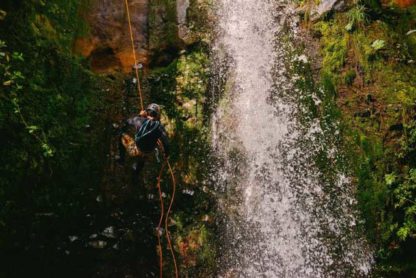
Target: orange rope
{"x": 161, "y": 170}
{"x": 167, "y": 218}
{"x": 139, "y": 89}
{"x": 167, "y": 214}
{"x": 159, "y": 226}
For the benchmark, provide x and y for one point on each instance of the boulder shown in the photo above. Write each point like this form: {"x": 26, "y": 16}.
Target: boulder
{"x": 324, "y": 7}
{"x": 184, "y": 33}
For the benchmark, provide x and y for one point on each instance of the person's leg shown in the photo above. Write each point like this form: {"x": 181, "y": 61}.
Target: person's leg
{"x": 121, "y": 151}
{"x": 121, "y": 147}
{"x": 137, "y": 168}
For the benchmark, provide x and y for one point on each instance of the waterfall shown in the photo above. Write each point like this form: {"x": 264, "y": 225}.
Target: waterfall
{"x": 280, "y": 218}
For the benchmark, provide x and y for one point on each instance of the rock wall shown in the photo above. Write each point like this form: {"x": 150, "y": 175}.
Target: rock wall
{"x": 108, "y": 44}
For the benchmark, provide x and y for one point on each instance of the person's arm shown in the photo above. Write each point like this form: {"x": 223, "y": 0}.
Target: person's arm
{"x": 136, "y": 121}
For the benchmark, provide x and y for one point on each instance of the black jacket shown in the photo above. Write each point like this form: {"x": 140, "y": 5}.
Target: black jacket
{"x": 148, "y": 132}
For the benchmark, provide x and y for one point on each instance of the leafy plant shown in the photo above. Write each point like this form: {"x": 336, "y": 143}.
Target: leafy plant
{"x": 356, "y": 17}
{"x": 405, "y": 196}
{"x": 11, "y": 80}
{"x": 390, "y": 178}
{"x": 378, "y": 44}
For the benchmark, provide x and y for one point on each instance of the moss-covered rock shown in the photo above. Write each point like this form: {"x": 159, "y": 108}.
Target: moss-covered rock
{"x": 371, "y": 66}
{"x": 181, "y": 88}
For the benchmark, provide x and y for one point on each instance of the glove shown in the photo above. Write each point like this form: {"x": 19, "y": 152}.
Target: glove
{"x": 143, "y": 114}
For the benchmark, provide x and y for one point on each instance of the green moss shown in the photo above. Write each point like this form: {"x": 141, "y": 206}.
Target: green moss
{"x": 181, "y": 88}
{"x": 199, "y": 18}
{"x": 370, "y": 65}
{"x": 163, "y": 30}
{"x": 61, "y": 102}
{"x": 334, "y": 44}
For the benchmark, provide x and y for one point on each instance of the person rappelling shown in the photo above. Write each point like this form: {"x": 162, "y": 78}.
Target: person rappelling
{"x": 149, "y": 133}
{"x": 149, "y": 136}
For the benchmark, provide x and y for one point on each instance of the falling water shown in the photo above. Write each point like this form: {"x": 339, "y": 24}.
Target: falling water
{"x": 281, "y": 218}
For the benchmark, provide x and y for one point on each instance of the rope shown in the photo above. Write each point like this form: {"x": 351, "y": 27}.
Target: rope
{"x": 166, "y": 162}
{"x": 139, "y": 89}
{"x": 160, "y": 221}
{"x": 167, "y": 218}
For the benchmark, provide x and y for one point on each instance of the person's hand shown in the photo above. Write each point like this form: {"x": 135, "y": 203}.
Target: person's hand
{"x": 143, "y": 113}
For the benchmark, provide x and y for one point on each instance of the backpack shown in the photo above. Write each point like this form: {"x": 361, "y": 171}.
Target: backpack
{"x": 147, "y": 135}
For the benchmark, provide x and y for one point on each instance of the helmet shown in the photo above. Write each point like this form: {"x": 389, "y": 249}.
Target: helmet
{"x": 153, "y": 110}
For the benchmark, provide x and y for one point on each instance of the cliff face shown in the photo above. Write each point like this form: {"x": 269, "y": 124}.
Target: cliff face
{"x": 108, "y": 45}
{"x": 161, "y": 29}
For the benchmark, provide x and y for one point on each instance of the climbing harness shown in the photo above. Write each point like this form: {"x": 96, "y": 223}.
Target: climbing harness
{"x": 136, "y": 68}
{"x": 166, "y": 162}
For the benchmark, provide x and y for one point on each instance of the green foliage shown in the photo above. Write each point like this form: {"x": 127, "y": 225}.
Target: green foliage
{"x": 334, "y": 45}
{"x": 53, "y": 134}
{"x": 180, "y": 88}
{"x": 198, "y": 18}
{"x": 378, "y": 44}
{"x": 13, "y": 90}
{"x": 349, "y": 77}
{"x": 366, "y": 53}
{"x": 356, "y": 17}
{"x": 390, "y": 178}
{"x": 163, "y": 30}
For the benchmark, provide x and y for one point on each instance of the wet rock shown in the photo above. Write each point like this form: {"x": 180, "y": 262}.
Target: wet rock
{"x": 411, "y": 32}
{"x": 301, "y": 58}
{"x": 93, "y": 236}
{"x": 72, "y": 238}
{"x": 181, "y": 11}
{"x": 150, "y": 196}
{"x": 184, "y": 33}
{"x": 98, "y": 244}
{"x": 108, "y": 46}
{"x": 326, "y": 6}
{"x": 109, "y": 232}
{"x": 99, "y": 199}
{"x": 188, "y": 192}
